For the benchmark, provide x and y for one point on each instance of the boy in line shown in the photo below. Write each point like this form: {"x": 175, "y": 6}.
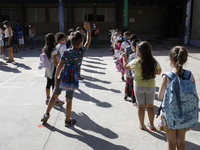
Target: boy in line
{"x": 126, "y": 42}
{"x": 73, "y": 54}
{"x": 21, "y": 39}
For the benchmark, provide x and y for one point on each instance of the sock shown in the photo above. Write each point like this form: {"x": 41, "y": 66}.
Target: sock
{"x": 48, "y": 98}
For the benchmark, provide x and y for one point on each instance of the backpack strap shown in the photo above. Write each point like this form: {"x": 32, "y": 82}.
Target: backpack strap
{"x": 170, "y": 75}
{"x": 186, "y": 74}
{"x": 128, "y": 42}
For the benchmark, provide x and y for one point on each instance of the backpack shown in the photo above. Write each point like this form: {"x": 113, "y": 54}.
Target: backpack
{"x": 120, "y": 66}
{"x": 69, "y": 80}
{"x": 44, "y": 61}
{"x": 128, "y": 42}
{"x": 180, "y": 102}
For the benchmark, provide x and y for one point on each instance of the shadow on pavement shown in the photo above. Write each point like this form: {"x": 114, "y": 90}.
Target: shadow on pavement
{"x": 89, "y": 78}
{"x": 19, "y": 65}
{"x": 94, "y": 62}
{"x": 196, "y": 127}
{"x": 84, "y": 96}
{"x": 92, "y": 141}
{"x": 4, "y": 67}
{"x": 92, "y": 71}
{"x": 93, "y": 66}
{"x": 88, "y": 57}
{"x": 95, "y": 86}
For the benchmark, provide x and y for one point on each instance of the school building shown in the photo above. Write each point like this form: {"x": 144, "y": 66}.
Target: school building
{"x": 146, "y": 18}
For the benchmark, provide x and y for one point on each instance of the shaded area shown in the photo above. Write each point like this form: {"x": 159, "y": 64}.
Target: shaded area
{"x": 89, "y": 78}
{"x": 94, "y": 62}
{"x": 92, "y": 141}
{"x": 4, "y": 67}
{"x": 92, "y": 71}
{"x": 93, "y": 66}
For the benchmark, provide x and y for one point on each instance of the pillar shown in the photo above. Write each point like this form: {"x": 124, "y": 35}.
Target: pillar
{"x": 188, "y": 21}
{"x": 125, "y": 14}
{"x": 61, "y": 18}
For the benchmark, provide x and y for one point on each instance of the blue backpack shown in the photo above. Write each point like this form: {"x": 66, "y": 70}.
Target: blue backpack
{"x": 69, "y": 80}
{"x": 180, "y": 102}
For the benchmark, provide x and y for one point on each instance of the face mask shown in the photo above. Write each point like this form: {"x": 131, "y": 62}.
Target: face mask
{"x": 29, "y": 26}
{"x": 4, "y": 26}
{"x": 63, "y": 42}
{"x": 124, "y": 38}
{"x": 94, "y": 26}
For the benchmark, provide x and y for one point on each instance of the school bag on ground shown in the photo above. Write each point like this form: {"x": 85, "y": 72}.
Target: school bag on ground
{"x": 44, "y": 61}
{"x": 180, "y": 102}
{"x": 119, "y": 65}
{"x": 69, "y": 80}
{"x": 129, "y": 89}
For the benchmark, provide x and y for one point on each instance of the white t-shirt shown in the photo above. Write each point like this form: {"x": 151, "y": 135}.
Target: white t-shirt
{"x": 125, "y": 44}
{"x": 54, "y": 52}
{"x": 7, "y": 33}
{"x": 60, "y": 49}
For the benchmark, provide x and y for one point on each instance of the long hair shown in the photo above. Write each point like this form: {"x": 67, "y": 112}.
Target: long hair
{"x": 49, "y": 44}
{"x": 179, "y": 55}
{"x": 148, "y": 63}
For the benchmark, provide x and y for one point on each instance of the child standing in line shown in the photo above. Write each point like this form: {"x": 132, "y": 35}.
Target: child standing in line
{"x": 51, "y": 53}
{"x": 70, "y": 55}
{"x": 15, "y": 40}
{"x": 117, "y": 47}
{"x": 178, "y": 57}
{"x": 61, "y": 46}
{"x": 1, "y": 45}
{"x": 126, "y": 42}
{"x": 21, "y": 39}
{"x": 146, "y": 68}
{"x": 68, "y": 44}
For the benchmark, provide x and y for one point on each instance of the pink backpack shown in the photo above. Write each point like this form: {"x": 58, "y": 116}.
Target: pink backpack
{"x": 44, "y": 61}
{"x": 119, "y": 65}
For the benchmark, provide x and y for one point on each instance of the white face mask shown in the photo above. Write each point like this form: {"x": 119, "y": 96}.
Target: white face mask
{"x": 94, "y": 26}
{"x": 29, "y": 26}
{"x": 4, "y": 26}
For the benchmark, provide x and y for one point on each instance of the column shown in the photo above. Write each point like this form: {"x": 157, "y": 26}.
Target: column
{"x": 125, "y": 14}
{"x": 187, "y": 22}
{"x": 61, "y": 18}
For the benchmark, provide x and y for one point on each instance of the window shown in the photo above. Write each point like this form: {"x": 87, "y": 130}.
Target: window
{"x": 101, "y": 14}
{"x": 88, "y": 13}
{"x": 10, "y": 14}
{"x": 35, "y": 14}
{"x": 54, "y": 14}
{"x": 83, "y": 14}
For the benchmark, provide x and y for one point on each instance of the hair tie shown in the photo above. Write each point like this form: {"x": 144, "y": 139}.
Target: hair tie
{"x": 180, "y": 65}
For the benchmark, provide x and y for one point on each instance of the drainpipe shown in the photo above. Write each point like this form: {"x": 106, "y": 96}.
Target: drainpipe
{"x": 61, "y": 19}
{"x": 125, "y": 14}
{"x": 188, "y": 21}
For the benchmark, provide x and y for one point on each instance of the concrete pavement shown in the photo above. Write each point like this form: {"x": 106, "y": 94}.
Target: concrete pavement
{"x": 104, "y": 120}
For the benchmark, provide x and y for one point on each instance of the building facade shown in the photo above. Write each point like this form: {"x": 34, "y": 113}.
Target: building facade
{"x": 146, "y": 18}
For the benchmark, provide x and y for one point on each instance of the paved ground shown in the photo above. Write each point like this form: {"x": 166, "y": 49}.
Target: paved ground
{"x": 104, "y": 120}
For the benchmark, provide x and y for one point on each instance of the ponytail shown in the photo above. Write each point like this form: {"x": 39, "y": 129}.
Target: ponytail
{"x": 179, "y": 55}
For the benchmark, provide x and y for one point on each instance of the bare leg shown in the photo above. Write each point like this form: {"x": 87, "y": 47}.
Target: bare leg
{"x": 68, "y": 109}
{"x": 171, "y": 140}
{"x": 8, "y": 50}
{"x": 151, "y": 113}
{"x": 48, "y": 92}
{"x": 141, "y": 114}
{"x": 51, "y": 102}
{"x": 2, "y": 50}
{"x": 23, "y": 46}
{"x": 11, "y": 54}
{"x": 181, "y": 140}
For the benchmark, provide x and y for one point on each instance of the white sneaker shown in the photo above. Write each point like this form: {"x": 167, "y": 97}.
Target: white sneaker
{"x": 2, "y": 56}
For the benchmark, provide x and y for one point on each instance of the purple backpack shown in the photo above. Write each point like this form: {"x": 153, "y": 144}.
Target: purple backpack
{"x": 119, "y": 65}
{"x": 44, "y": 61}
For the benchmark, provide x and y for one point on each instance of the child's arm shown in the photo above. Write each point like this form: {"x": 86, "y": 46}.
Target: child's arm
{"x": 163, "y": 87}
{"x": 2, "y": 31}
{"x": 88, "y": 38}
{"x": 125, "y": 63}
{"x": 58, "y": 68}
{"x": 158, "y": 71}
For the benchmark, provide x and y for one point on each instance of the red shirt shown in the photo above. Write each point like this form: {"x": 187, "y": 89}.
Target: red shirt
{"x": 94, "y": 33}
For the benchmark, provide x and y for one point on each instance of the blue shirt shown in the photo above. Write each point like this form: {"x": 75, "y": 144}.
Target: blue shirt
{"x": 20, "y": 34}
{"x": 18, "y": 27}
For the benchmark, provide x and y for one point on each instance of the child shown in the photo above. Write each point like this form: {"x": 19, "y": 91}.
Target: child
{"x": 117, "y": 47}
{"x": 132, "y": 56}
{"x": 61, "y": 46}
{"x": 21, "y": 39}
{"x": 1, "y": 44}
{"x": 68, "y": 44}
{"x": 15, "y": 40}
{"x": 51, "y": 53}
{"x": 73, "y": 54}
{"x": 178, "y": 57}
{"x": 126, "y": 42}
{"x": 146, "y": 67}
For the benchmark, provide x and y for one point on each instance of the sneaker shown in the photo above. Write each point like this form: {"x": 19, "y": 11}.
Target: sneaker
{"x": 80, "y": 78}
{"x": 59, "y": 102}
{"x": 45, "y": 117}
{"x": 47, "y": 102}
{"x": 123, "y": 79}
{"x": 2, "y": 56}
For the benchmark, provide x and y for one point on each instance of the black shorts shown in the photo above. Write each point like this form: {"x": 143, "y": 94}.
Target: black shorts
{"x": 6, "y": 43}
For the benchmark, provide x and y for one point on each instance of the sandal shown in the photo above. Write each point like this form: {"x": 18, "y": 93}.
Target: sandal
{"x": 45, "y": 117}
{"x": 142, "y": 127}
{"x": 9, "y": 61}
{"x": 70, "y": 122}
{"x": 151, "y": 128}
{"x": 59, "y": 102}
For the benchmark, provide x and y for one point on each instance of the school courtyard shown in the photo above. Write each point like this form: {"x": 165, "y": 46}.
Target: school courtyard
{"x": 104, "y": 120}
